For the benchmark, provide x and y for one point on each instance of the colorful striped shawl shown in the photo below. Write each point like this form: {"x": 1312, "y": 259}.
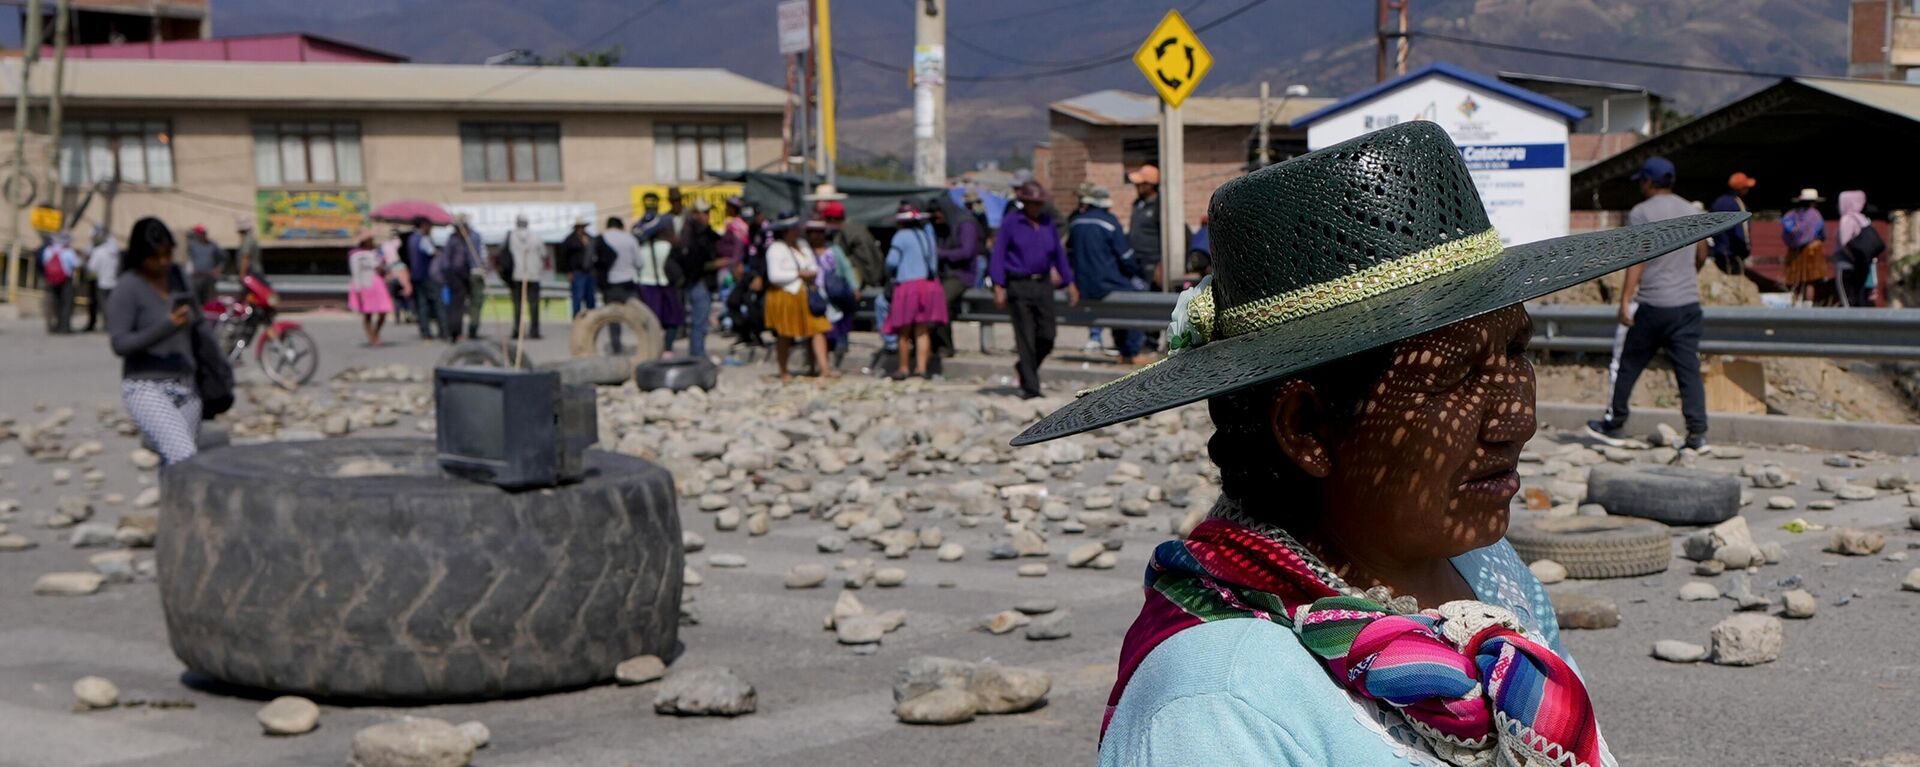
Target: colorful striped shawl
{"x": 1463, "y": 675}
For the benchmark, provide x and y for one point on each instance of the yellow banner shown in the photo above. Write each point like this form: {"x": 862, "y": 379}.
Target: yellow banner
{"x": 653, "y": 198}
{"x": 46, "y": 219}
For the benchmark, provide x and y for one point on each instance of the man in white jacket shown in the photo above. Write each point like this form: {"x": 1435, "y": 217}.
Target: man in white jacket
{"x": 527, "y": 257}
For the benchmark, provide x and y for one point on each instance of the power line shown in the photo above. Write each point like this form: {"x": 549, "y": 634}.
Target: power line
{"x": 1126, "y": 50}
{"x": 1697, "y": 68}
{"x": 1065, "y": 70}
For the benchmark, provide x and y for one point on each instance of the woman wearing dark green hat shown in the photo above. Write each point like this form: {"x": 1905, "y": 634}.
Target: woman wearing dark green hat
{"x": 1361, "y": 347}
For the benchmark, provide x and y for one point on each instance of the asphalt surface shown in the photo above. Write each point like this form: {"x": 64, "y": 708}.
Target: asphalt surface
{"x": 1846, "y": 690}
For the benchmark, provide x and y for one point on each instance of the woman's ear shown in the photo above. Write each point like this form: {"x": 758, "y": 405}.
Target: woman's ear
{"x": 1295, "y": 419}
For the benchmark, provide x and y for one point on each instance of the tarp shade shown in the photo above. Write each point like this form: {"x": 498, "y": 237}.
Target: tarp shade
{"x": 869, "y": 202}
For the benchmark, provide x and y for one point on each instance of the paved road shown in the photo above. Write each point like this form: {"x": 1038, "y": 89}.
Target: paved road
{"x": 1847, "y": 690}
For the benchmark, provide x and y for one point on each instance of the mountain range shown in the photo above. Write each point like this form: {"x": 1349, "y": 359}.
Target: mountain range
{"x": 1009, "y": 58}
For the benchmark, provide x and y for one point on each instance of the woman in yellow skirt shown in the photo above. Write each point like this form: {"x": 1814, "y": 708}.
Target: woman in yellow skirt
{"x": 791, "y": 270}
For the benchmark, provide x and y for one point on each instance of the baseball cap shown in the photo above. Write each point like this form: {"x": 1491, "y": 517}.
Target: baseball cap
{"x": 1657, "y": 169}
{"x": 1145, "y": 174}
{"x": 1741, "y": 182}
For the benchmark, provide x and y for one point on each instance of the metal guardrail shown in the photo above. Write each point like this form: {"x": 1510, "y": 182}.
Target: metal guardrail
{"x": 1885, "y": 334}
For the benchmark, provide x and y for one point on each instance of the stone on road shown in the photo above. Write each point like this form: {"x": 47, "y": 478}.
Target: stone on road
{"x": 639, "y": 669}
{"x": 288, "y": 715}
{"x": 1676, "y": 651}
{"x": 712, "y": 691}
{"x": 476, "y": 732}
{"x": 944, "y": 705}
{"x": 73, "y": 584}
{"x": 1585, "y": 611}
{"x": 1548, "y": 571}
{"x": 1008, "y": 689}
{"x": 95, "y": 692}
{"x": 1747, "y": 639}
{"x": 411, "y": 742}
{"x": 1799, "y": 604}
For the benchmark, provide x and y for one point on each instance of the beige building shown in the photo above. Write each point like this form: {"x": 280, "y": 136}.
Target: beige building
{"x": 1099, "y": 136}
{"x": 306, "y": 150}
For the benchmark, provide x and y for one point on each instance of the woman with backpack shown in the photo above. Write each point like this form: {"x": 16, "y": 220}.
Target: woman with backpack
{"x": 660, "y": 278}
{"x": 919, "y": 303}
{"x": 837, "y": 281}
{"x": 1860, "y": 244}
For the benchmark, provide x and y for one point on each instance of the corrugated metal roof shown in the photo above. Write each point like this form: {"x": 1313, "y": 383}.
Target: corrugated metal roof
{"x": 401, "y": 86}
{"x": 1887, "y": 96}
{"x": 1443, "y": 69}
{"x": 1117, "y": 107}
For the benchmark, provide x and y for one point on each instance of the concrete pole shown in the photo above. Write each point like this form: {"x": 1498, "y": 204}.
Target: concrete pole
{"x": 30, "y": 45}
{"x": 54, "y": 109}
{"x": 1173, "y": 218}
{"x": 1266, "y": 91}
{"x": 930, "y": 92}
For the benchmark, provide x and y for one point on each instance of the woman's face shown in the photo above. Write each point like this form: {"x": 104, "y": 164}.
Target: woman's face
{"x": 1427, "y": 467}
{"x": 158, "y": 261}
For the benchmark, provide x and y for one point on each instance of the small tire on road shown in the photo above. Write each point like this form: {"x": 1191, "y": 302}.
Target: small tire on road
{"x": 600, "y": 371}
{"x": 354, "y": 568}
{"x": 677, "y": 374}
{"x": 1594, "y": 547}
{"x": 481, "y": 354}
{"x": 644, "y": 333}
{"x": 1666, "y": 494}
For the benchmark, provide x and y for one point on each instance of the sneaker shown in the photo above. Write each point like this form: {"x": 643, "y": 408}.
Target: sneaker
{"x": 1091, "y": 347}
{"x": 1698, "y": 444}
{"x": 1607, "y": 434}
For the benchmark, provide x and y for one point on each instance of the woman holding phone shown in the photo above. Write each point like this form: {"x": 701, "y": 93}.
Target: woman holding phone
{"x": 151, "y": 317}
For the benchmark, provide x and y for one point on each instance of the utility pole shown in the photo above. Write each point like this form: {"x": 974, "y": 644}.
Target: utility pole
{"x": 929, "y": 92}
{"x": 1266, "y": 90}
{"x": 823, "y": 47}
{"x": 54, "y": 111}
{"x": 1380, "y": 35}
{"x": 30, "y": 43}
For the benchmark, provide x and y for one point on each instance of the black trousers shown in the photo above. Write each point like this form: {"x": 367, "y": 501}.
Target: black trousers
{"x": 1031, "y": 304}
{"x": 426, "y": 304}
{"x": 1677, "y": 330}
{"x": 943, "y": 334}
{"x": 96, "y": 302}
{"x": 60, "y": 306}
{"x": 453, "y": 315}
{"x": 1853, "y": 284}
{"x": 533, "y": 308}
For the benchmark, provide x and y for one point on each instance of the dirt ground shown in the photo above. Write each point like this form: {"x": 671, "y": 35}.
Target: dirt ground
{"x": 1842, "y": 390}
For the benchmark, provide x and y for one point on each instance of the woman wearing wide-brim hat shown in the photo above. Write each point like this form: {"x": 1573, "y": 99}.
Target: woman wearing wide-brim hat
{"x": 1362, "y": 349}
{"x": 791, "y": 271}
{"x": 1804, "y": 229}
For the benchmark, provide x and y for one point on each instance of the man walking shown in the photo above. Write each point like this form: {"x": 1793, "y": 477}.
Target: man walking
{"x": 453, "y": 276}
{"x": 103, "y": 262}
{"x": 426, "y": 289}
{"x": 700, "y": 262}
{"x": 1660, "y": 309}
{"x": 959, "y": 248}
{"x": 576, "y": 260}
{"x": 248, "y": 254}
{"x": 526, "y": 263}
{"x": 1103, "y": 261}
{"x": 1026, "y": 254}
{"x": 208, "y": 262}
{"x": 61, "y": 265}
{"x": 621, "y": 255}
{"x": 1731, "y": 247}
{"x": 1144, "y": 226}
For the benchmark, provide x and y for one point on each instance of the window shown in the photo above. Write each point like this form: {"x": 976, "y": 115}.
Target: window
{"x": 521, "y": 153}
{"x": 301, "y": 153}
{"x": 135, "y": 151}
{"x": 684, "y": 153}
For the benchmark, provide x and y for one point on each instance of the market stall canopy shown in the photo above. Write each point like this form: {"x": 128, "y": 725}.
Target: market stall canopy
{"x": 1826, "y": 133}
{"x": 869, "y": 202}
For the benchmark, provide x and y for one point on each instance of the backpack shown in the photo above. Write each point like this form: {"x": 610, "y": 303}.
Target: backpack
{"x": 56, "y": 269}
{"x": 1865, "y": 246}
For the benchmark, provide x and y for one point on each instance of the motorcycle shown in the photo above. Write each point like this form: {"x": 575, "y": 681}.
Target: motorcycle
{"x": 284, "y": 351}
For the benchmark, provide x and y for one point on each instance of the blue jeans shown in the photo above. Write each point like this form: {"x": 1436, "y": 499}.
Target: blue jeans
{"x": 699, "y": 313}
{"x": 1129, "y": 342}
{"x": 582, "y": 289}
{"x": 881, "y": 305}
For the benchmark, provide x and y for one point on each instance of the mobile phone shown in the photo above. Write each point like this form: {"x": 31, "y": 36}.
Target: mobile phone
{"x": 179, "y": 301}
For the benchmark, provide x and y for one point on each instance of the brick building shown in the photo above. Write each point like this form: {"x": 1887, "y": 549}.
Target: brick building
{"x": 1099, "y": 136}
{"x": 1883, "y": 39}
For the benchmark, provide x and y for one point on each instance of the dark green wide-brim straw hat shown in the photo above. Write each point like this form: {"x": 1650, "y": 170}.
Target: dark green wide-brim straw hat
{"x": 1346, "y": 249}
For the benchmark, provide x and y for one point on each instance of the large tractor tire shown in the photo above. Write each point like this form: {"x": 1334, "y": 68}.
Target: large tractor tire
{"x": 355, "y": 569}
{"x": 643, "y": 332}
{"x": 1594, "y": 547}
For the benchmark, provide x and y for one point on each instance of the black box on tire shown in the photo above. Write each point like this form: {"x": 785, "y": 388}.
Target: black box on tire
{"x": 355, "y": 569}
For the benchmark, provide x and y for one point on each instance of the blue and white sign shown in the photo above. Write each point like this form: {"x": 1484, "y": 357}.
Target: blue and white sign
{"x": 1514, "y": 141}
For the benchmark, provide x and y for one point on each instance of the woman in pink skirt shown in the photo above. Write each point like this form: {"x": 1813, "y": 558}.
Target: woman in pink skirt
{"x": 919, "y": 303}
{"x": 367, "y": 287}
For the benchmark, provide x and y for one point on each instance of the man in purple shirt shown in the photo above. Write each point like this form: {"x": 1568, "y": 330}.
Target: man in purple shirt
{"x": 1027, "y": 254}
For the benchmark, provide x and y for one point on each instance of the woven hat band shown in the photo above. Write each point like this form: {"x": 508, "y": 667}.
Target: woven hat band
{"x": 1358, "y": 286}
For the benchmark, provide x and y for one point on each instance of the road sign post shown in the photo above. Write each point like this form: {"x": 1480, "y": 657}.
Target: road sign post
{"x": 1174, "y": 62}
